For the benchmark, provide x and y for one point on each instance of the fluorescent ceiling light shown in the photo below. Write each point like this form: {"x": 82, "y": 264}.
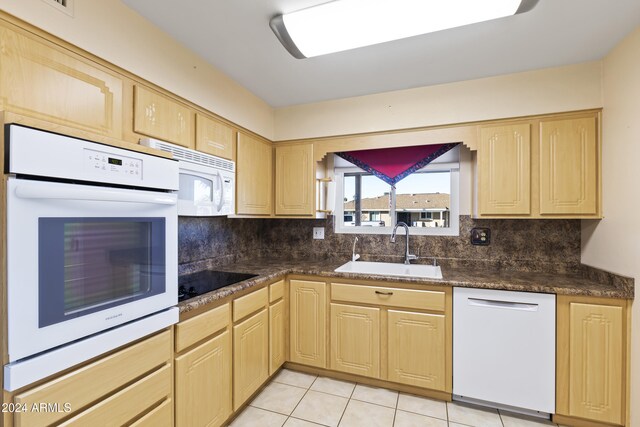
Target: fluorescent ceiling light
{"x": 349, "y": 24}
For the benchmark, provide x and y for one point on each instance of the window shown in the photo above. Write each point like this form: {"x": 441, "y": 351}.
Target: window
{"x": 426, "y": 200}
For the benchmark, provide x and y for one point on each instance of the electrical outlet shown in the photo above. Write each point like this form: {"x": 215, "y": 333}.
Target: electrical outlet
{"x": 318, "y": 232}
{"x": 480, "y": 236}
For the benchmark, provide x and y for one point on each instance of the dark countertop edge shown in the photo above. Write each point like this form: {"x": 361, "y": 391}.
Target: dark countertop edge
{"x": 281, "y": 272}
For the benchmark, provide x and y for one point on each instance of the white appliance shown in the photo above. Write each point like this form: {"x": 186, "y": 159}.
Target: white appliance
{"x": 207, "y": 183}
{"x": 91, "y": 247}
{"x": 504, "y": 349}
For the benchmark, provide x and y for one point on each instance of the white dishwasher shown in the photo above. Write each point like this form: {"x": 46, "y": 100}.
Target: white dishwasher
{"x": 504, "y": 349}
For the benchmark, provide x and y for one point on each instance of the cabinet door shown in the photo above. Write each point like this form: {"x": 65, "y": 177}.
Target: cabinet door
{"x": 568, "y": 172}
{"x": 254, "y": 176}
{"x": 355, "y": 339}
{"x": 41, "y": 80}
{"x": 276, "y": 336}
{"x": 160, "y": 117}
{"x": 203, "y": 383}
{"x": 250, "y": 356}
{"x": 308, "y": 323}
{"x": 590, "y": 361}
{"x": 295, "y": 180}
{"x": 417, "y": 349}
{"x": 504, "y": 170}
{"x": 214, "y": 137}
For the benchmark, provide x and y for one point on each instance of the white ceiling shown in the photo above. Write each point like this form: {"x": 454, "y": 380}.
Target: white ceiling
{"x": 234, "y": 36}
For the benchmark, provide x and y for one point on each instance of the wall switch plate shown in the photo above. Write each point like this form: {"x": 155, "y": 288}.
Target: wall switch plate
{"x": 318, "y": 232}
{"x": 480, "y": 236}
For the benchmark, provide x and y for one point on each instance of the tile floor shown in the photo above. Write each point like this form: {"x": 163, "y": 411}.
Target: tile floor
{"x": 294, "y": 399}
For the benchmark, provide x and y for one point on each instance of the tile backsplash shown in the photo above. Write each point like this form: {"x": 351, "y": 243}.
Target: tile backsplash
{"x": 540, "y": 245}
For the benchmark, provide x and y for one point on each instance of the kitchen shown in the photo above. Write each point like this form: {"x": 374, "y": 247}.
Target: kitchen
{"x": 263, "y": 238}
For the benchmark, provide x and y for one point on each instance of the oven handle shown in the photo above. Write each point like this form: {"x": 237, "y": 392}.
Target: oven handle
{"x": 95, "y": 194}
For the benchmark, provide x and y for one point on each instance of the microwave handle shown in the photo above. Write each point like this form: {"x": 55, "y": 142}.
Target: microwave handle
{"x": 219, "y": 207}
{"x": 95, "y": 194}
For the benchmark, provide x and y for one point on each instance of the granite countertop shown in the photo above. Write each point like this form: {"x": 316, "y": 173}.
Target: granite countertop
{"x": 589, "y": 281}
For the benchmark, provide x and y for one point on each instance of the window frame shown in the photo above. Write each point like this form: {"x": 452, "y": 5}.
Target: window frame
{"x": 454, "y": 209}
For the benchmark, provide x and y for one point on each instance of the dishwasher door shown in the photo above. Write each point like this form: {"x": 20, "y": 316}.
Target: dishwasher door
{"x": 504, "y": 349}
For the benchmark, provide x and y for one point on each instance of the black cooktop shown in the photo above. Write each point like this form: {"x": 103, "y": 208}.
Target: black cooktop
{"x": 192, "y": 285}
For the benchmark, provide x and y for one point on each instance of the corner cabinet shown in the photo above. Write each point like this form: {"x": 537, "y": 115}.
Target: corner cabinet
{"x": 254, "y": 176}
{"x": 546, "y": 167}
{"x": 295, "y": 180}
{"x": 592, "y": 360}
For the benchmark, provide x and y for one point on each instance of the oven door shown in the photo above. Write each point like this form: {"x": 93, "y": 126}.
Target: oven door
{"x": 82, "y": 259}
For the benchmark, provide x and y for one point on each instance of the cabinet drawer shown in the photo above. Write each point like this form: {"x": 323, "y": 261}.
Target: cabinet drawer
{"x": 128, "y": 403}
{"x": 276, "y": 291}
{"x": 159, "y": 417}
{"x": 198, "y": 328}
{"x": 393, "y": 297}
{"x": 89, "y": 383}
{"x": 246, "y": 305}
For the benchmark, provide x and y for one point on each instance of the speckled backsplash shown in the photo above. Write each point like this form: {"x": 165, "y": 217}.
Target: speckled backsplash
{"x": 523, "y": 245}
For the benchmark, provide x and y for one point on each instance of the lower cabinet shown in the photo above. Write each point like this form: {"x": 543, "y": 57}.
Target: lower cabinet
{"x": 277, "y": 339}
{"x": 417, "y": 349}
{"x": 592, "y": 359}
{"x": 355, "y": 339}
{"x": 203, "y": 383}
{"x": 250, "y": 356}
{"x": 308, "y": 333}
{"x": 390, "y": 333}
{"x": 203, "y": 369}
{"x": 123, "y": 388}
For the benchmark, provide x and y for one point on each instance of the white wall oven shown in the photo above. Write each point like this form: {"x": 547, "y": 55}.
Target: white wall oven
{"x": 91, "y": 250}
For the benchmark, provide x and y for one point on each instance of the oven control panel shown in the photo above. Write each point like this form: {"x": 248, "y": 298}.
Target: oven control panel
{"x": 107, "y": 164}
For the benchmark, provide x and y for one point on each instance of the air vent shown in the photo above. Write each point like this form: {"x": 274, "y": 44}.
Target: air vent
{"x": 187, "y": 155}
{"x": 65, "y": 6}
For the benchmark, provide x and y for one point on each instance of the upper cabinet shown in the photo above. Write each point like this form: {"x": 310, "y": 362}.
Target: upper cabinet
{"x": 215, "y": 138}
{"x": 44, "y": 81}
{"x": 295, "y": 180}
{"x": 568, "y": 162}
{"x": 504, "y": 170}
{"x": 542, "y": 168}
{"x": 158, "y": 116}
{"x": 254, "y": 176}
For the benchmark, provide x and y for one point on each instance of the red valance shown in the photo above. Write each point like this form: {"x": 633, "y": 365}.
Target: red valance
{"x": 394, "y": 164}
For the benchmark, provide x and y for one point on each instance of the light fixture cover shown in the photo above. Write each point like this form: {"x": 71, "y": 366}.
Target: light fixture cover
{"x": 348, "y": 24}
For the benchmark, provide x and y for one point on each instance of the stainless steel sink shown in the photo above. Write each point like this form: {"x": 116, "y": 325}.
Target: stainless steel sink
{"x": 391, "y": 269}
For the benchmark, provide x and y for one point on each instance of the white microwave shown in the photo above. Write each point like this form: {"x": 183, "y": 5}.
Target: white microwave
{"x": 207, "y": 183}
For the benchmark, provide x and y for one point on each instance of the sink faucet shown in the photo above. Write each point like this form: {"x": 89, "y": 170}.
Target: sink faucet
{"x": 354, "y": 255}
{"x": 407, "y": 256}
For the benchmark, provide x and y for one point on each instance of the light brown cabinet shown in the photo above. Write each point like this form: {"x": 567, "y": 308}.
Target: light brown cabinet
{"x": 308, "y": 331}
{"x": 543, "y": 168}
{"x": 215, "y": 138}
{"x": 250, "y": 356}
{"x": 568, "y": 162}
{"x": 355, "y": 339}
{"x": 44, "y": 81}
{"x": 417, "y": 349}
{"x": 159, "y": 116}
{"x": 295, "y": 180}
{"x": 401, "y": 335}
{"x": 504, "y": 163}
{"x": 203, "y": 369}
{"x": 592, "y": 359}
{"x": 254, "y": 176}
{"x": 113, "y": 390}
{"x": 277, "y": 326}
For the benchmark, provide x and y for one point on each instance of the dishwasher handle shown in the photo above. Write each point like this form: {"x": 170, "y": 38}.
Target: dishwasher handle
{"x": 510, "y": 305}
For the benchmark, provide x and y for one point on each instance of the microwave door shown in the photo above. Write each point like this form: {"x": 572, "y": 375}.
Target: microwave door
{"x": 196, "y": 194}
